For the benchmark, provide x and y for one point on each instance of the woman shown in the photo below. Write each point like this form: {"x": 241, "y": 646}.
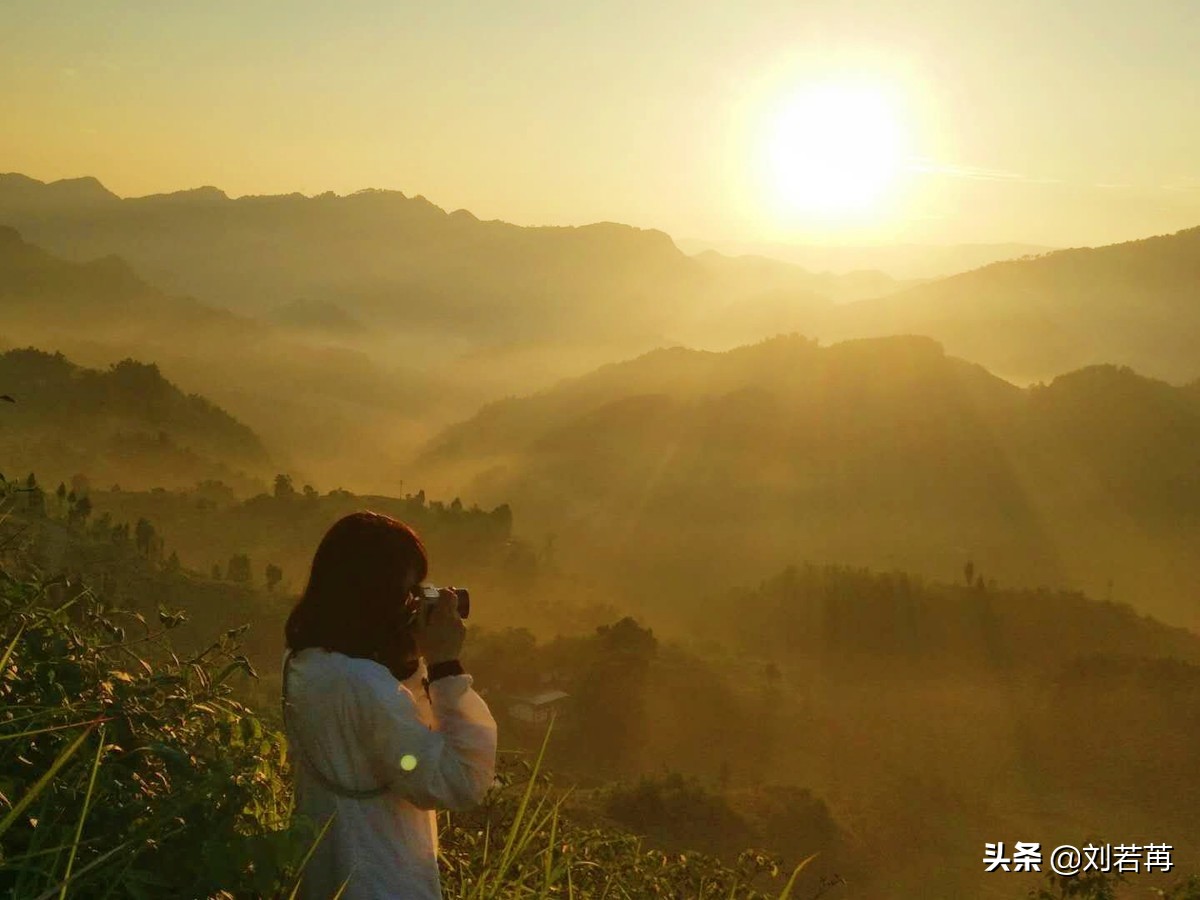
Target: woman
{"x": 378, "y": 740}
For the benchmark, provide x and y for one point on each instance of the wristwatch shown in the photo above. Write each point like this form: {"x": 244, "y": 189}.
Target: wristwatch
{"x": 442, "y": 670}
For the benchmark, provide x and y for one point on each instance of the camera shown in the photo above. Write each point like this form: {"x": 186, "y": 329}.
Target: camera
{"x": 428, "y": 595}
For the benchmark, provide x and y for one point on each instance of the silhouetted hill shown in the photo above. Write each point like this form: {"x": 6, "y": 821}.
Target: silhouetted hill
{"x": 393, "y": 257}
{"x": 403, "y": 264}
{"x": 316, "y": 316}
{"x": 106, "y": 294}
{"x": 903, "y": 261}
{"x": 28, "y": 196}
{"x": 683, "y": 468}
{"x": 311, "y": 400}
{"x": 1131, "y": 304}
{"x": 127, "y": 424}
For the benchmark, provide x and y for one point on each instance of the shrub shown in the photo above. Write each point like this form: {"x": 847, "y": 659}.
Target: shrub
{"x": 125, "y": 770}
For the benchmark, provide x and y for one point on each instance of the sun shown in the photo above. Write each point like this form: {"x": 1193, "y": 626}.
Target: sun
{"x": 833, "y": 150}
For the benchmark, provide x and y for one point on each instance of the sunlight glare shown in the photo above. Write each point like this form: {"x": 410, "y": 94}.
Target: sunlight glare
{"x": 834, "y": 150}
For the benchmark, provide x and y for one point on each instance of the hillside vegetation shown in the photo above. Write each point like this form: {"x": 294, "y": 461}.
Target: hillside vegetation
{"x": 126, "y": 423}
{"x": 128, "y": 768}
{"x": 682, "y": 469}
{"x": 829, "y": 709}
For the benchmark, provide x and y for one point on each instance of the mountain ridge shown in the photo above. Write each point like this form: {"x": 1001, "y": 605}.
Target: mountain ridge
{"x": 1131, "y": 303}
{"x": 882, "y": 452}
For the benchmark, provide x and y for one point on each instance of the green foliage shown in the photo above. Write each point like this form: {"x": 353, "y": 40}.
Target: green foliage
{"x": 125, "y": 767}
{"x": 127, "y": 771}
{"x": 126, "y": 423}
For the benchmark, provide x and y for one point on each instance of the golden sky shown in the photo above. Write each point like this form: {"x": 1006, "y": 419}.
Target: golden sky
{"x": 1063, "y": 123}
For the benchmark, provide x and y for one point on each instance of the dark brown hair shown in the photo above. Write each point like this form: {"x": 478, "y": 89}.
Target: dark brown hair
{"x": 355, "y": 599}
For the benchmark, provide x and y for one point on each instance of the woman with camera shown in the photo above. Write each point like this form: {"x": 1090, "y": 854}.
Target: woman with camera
{"x": 383, "y": 724}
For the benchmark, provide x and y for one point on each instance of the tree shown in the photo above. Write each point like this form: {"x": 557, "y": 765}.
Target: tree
{"x": 81, "y": 484}
{"x": 102, "y": 527}
{"x": 216, "y": 571}
{"x": 310, "y": 492}
{"x": 628, "y": 641}
{"x": 61, "y": 494}
{"x": 969, "y": 572}
{"x": 83, "y": 509}
{"x": 502, "y": 516}
{"x": 611, "y": 698}
{"x": 274, "y": 576}
{"x": 173, "y": 564}
{"x": 238, "y": 569}
{"x": 283, "y": 487}
{"x": 143, "y": 534}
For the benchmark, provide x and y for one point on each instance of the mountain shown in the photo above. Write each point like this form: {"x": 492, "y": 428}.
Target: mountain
{"x": 28, "y": 196}
{"x": 312, "y": 401}
{"x": 1134, "y": 304}
{"x": 899, "y": 261}
{"x": 682, "y": 469}
{"x": 381, "y": 253}
{"x": 408, "y": 270}
{"x": 39, "y": 288}
{"x": 125, "y": 424}
{"x": 315, "y": 316}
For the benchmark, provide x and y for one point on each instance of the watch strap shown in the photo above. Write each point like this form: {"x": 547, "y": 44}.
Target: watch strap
{"x": 442, "y": 669}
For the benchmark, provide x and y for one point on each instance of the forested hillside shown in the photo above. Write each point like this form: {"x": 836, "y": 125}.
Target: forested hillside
{"x": 126, "y": 423}
{"x": 682, "y": 469}
{"x": 829, "y": 688}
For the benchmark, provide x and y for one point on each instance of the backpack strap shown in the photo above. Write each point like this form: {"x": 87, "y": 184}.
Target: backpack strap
{"x": 327, "y": 783}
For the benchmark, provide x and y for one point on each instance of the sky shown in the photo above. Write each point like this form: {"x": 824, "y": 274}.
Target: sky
{"x": 1065, "y": 123}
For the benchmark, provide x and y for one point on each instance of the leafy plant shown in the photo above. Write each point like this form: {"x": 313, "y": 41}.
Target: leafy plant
{"x": 125, "y": 770}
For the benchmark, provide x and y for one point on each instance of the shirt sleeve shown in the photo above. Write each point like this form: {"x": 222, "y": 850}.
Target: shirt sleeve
{"x": 449, "y": 766}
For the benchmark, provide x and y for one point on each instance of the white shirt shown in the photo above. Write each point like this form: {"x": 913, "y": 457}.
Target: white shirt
{"x": 361, "y": 728}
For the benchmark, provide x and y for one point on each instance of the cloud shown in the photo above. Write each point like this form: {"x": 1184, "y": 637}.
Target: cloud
{"x": 1187, "y": 183}
{"x": 974, "y": 172}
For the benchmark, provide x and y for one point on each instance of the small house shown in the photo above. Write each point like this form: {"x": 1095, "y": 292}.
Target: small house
{"x": 538, "y": 707}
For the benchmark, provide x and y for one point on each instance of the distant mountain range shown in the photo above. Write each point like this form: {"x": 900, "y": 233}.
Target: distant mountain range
{"x": 682, "y": 469}
{"x": 399, "y": 262}
{"x": 470, "y": 302}
{"x": 358, "y": 324}
{"x": 311, "y": 402}
{"x": 899, "y": 261}
{"x": 1135, "y": 304}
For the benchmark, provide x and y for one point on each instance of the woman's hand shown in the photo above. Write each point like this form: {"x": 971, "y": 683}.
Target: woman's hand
{"x": 440, "y": 637}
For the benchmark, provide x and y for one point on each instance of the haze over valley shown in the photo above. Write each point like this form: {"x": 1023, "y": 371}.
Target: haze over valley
{"x": 809, "y": 398}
